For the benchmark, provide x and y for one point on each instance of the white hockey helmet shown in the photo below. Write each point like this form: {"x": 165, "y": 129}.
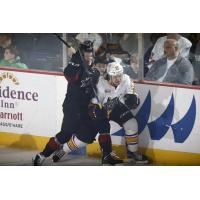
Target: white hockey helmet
{"x": 114, "y": 69}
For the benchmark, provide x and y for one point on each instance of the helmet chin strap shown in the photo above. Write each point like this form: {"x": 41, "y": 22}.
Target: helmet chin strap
{"x": 110, "y": 81}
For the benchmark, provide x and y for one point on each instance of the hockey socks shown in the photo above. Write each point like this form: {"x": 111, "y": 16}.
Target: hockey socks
{"x": 50, "y": 147}
{"x": 105, "y": 143}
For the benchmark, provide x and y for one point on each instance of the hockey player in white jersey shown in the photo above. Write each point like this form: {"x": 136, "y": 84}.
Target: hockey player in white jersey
{"x": 117, "y": 85}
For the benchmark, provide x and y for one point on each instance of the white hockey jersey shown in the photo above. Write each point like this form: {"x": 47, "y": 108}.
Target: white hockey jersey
{"x": 105, "y": 90}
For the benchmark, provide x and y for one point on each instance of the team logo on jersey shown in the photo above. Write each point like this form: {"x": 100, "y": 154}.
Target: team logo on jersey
{"x": 116, "y": 67}
{"x": 107, "y": 91}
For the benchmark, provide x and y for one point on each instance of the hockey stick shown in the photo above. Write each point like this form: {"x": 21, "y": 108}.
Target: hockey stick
{"x": 60, "y": 38}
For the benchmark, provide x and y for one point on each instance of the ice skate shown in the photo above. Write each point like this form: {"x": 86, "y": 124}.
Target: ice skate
{"x": 58, "y": 155}
{"x": 138, "y": 157}
{"x": 38, "y": 160}
{"x": 111, "y": 159}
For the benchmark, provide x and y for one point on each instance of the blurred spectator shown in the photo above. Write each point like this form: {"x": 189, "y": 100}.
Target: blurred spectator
{"x": 113, "y": 43}
{"x": 158, "y": 50}
{"x": 93, "y": 37}
{"x": 129, "y": 43}
{"x": 133, "y": 68}
{"x": 101, "y": 64}
{"x": 5, "y": 41}
{"x": 193, "y": 37}
{"x": 74, "y": 43}
{"x": 25, "y": 45}
{"x": 173, "y": 68}
{"x": 195, "y": 59}
{"x": 46, "y": 52}
{"x": 12, "y": 59}
{"x": 147, "y": 55}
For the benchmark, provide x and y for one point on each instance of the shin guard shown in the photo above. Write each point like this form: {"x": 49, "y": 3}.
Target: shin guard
{"x": 73, "y": 144}
{"x": 131, "y": 135}
{"x": 105, "y": 143}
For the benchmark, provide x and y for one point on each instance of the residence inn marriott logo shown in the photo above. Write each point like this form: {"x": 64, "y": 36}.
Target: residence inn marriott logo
{"x": 10, "y": 98}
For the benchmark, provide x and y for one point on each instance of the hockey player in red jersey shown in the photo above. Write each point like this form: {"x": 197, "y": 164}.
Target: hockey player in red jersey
{"x": 77, "y": 127}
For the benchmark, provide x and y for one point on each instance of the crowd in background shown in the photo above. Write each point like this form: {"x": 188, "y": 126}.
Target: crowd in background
{"x": 45, "y": 52}
{"x": 31, "y": 51}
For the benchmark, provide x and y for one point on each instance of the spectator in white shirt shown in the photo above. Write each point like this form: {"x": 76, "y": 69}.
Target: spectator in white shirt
{"x": 172, "y": 68}
{"x": 158, "y": 50}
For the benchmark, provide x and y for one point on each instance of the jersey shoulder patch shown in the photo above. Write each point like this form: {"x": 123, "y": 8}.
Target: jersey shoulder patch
{"x": 74, "y": 64}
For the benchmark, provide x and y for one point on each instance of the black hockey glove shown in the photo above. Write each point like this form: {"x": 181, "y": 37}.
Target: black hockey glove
{"x": 96, "y": 112}
{"x": 132, "y": 100}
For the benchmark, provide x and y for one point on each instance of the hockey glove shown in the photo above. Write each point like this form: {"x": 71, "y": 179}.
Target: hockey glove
{"x": 96, "y": 112}
{"x": 132, "y": 101}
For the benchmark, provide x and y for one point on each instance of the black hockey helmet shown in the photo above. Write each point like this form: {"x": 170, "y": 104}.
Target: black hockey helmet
{"x": 86, "y": 46}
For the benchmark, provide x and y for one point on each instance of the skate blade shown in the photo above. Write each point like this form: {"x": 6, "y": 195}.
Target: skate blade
{"x": 133, "y": 161}
{"x": 142, "y": 162}
{"x": 38, "y": 164}
{"x": 120, "y": 164}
